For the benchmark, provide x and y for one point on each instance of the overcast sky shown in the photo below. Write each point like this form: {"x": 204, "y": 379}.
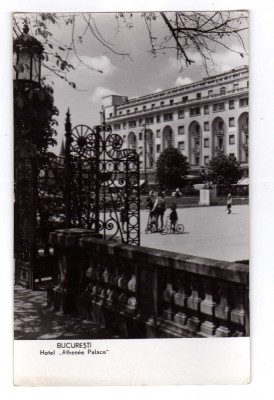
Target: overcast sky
{"x": 135, "y": 76}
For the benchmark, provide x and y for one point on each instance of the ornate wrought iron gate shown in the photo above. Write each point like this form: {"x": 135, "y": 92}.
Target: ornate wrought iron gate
{"x": 95, "y": 186}
{"x": 103, "y": 190}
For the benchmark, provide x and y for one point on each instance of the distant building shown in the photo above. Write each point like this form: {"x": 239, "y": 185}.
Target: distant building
{"x": 201, "y": 119}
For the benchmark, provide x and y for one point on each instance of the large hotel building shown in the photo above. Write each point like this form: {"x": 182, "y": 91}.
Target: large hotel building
{"x": 201, "y": 119}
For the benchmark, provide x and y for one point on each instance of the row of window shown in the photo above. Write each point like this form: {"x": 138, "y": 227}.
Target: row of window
{"x": 181, "y": 145}
{"x": 196, "y": 161}
{"x": 185, "y": 98}
{"x": 195, "y": 111}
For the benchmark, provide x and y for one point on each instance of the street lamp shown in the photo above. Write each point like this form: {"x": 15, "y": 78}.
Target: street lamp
{"x": 145, "y": 152}
{"x": 27, "y": 52}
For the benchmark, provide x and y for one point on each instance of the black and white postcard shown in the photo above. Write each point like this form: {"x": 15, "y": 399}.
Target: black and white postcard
{"x": 131, "y": 188}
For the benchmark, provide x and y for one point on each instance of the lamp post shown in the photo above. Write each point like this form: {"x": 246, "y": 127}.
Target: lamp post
{"x": 145, "y": 152}
{"x": 28, "y": 53}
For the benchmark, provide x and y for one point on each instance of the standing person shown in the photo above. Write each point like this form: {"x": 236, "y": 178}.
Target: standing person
{"x": 149, "y": 206}
{"x": 160, "y": 210}
{"x": 123, "y": 217}
{"x": 154, "y": 213}
{"x": 173, "y": 217}
{"x": 229, "y": 203}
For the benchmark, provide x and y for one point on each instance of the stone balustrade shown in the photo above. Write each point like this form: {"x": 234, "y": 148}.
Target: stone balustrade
{"x": 140, "y": 292}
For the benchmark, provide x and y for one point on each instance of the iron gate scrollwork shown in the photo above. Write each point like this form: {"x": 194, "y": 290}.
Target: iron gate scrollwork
{"x": 104, "y": 183}
{"x": 95, "y": 185}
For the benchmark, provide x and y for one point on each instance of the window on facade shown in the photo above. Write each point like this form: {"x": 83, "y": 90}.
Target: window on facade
{"x": 235, "y": 86}
{"x": 220, "y": 143}
{"x": 247, "y": 84}
{"x": 110, "y": 115}
{"x": 149, "y": 120}
{"x": 140, "y": 150}
{"x": 181, "y": 114}
{"x": 128, "y": 111}
{"x": 158, "y": 118}
{"x": 244, "y": 102}
{"x": 116, "y": 127}
{"x": 222, "y": 90}
{"x": 141, "y": 164}
{"x": 210, "y": 92}
{"x": 206, "y": 160}
{"x": 194, "y": 111}
{"x": 184, "y": 99}
{"x": 199, "y": 95}
{"x": 136, "y": 109}
{"x": 140, "y": 135}
{"x": 144, "y": 107}
{"x": 158, "y": 148}
{"x": 132, "y": 124}
{"x": 232, "y": 121}
{"x": 158, "y": 133}
{"x": 120, "y": 112}
{"x": 181, "y": 130}
{"x": 124, "y": 138}
{"x": 140, "y": 121}
{"x": 171, "y": 101}
{"x": 231, "y": 155}
{"x": 231, "y": 104}
{"x": 206, "y": 126}
{"x": 150, "y": 163}
{"x": 197, "y": 160}
{"x": 206, "y": 109}
{"x": 152, "y": 105}
{"x": 231, "y": 139}
{"x": 162, "y": 103}
{"x": 206, "y": 142}
{"x": 219, "y": 107}
{"x": 181, "y": 145}
{"x": 168, "y": 117}
{"x": 124, "y": 125}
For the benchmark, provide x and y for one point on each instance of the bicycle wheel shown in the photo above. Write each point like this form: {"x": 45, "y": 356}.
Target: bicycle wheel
{"x": 165, "y": 230}
{"x": 180, "y": 228}
{"x": 152, "y": 228}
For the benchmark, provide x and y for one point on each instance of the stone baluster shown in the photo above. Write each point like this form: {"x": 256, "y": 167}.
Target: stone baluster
{"x": 238, "y": 313}
{"x": 222, "y": 310}
{"x": 193, "y": 304}
{"x": 180, "y": 300}
{"x": 132, "y": 283}
{"x": 167, "y": 298}
{"x": 207, "y": 308}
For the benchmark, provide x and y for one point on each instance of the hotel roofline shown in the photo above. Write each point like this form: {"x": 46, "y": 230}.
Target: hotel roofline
{"x": 217, "y": 79}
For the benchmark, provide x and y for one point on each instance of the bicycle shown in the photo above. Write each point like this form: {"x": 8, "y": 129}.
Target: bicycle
{"x": 151, "y": 225}
{"x": 179, "y": 228}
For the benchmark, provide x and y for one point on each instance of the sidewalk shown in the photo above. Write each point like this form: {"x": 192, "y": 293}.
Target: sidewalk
{"x": 32, "y": 320}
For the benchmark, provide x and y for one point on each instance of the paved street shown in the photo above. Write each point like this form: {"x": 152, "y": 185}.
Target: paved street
{"x": 209, "y": 232}
{"x": 33, "y": 320}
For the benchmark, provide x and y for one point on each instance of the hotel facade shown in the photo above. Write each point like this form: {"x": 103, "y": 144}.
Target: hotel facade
{"x": 202, "y": 119}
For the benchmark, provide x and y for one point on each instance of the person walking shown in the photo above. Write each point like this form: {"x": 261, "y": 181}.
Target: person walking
{"x": 229, "y": 204}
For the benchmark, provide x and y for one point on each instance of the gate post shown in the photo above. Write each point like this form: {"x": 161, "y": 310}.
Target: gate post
{"x": 67, "y": 188}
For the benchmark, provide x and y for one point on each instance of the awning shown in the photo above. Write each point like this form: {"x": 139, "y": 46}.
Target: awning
{"x": 191, "y": 176}
{"x": 242, "y": 182}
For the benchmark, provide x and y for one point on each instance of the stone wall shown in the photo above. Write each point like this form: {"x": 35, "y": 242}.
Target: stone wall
{"x": 138, "y": 292}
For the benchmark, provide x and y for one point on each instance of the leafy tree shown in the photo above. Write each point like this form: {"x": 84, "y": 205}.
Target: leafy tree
{"x": 34, "y": 113}
{"x": 172, "y": 166}
{"x": 185, "y": 33}
{"x": 223, "y": 170}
